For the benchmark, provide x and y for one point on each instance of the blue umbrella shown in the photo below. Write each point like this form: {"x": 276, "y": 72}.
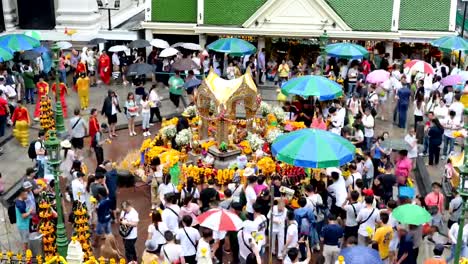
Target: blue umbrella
{"x": 41, "y": 49}
{"x": 232, "y": 46}
{"x": 361, "y": 255}
{"x": 313, "y": 148}
{"x": 192, "y": 83}
{"x": 451, "y": 43}
{"x": 18, "y": 42}
{"x": 346, "y": 51}
{"x": 313, "y": 85}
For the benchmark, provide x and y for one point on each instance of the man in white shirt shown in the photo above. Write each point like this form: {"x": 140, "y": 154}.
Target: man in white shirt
{"x": 458, "y": 107}
{"x": 355, "y": 175}
{"x": 314, "y": 200}
{"x": 116, "y": 61}
{"x": 352, "y": 208}
{"x": 78, "y": 131}
{"x": 337, "y": 190}
{"x": 368, "y": 122}
{"x": 450, "y": 124}
{"x": 129, "y": 217}
{"x": 292, "y": 235}
{"x": 188, "y": 237}
{"x": 367, "y": 218}
{"x": 279, "y": 214}
{"x": 245, "y": 240}
{"x": 436, "y": 86}
{"x": 204, "y": 252}
{"x": 171, "y": 252}
{"x": 337, "y": 122}
{"x": 39, "y": 147}
{"x": 250, "y": 194}
{"x": 171, "y": 212}
{"x": 453, "y": 235}
{"x": 79, "y": 188}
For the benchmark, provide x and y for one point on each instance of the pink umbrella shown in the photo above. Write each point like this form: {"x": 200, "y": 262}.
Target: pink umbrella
{"x": 451, "y": 80}
{"x": 419, "y": 66}
{"x": 378, "y": 76}
{"x": 220, "y": 220}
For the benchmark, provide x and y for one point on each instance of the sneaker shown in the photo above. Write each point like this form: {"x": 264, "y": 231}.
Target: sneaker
{"x": 443, "y": 157}
{"x": 148, "y": 133}
{"x": 130, "y": 134}
{"x": 144, "y": 134}
{"x": 67, "y": 197}
{"x": 151, "y": 124}
{"x": 134, "y": 133}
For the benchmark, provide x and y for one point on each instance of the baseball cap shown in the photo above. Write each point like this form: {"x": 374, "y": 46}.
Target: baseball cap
{"x": 27, "y": 185}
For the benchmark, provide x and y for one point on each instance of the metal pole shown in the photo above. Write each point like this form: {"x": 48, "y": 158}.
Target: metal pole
{"x": 270, "y": 228}
{"x": 109, "y": 19}
{"x": 462, "y": 34}
{"x": 461, "y": 224}
{"x": 59, "y": 121}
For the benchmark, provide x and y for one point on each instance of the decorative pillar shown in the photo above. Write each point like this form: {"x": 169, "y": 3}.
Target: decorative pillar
{"x": 83, "y": 14}
{"x": 202, "y": 40}
{"x": 9, "y": 14}
{"x": 396, "y": 15}
{"x": 260, "y": 43}
{"x": 389, "y": 50}
{"x": 200, "y": 12}
{"x": 148, "y": 37}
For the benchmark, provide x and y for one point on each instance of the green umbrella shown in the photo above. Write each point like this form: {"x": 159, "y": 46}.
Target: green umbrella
{"x": 18, "y": 42}
{"x": 33, "y": 34}
{"x": 411, "y": 214}
{"x": 313, "y": 85}
{"x": 5, "y": 54}
{"x": 451, "y": 43}
{"x": 346, "y": 51}
{"x": 232, "y": 46}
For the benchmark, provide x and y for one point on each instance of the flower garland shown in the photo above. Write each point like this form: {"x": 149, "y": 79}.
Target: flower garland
{"x": 265, "y": 109}
{"x": 255, "y": 141}
{"x": 183, "y": 138}
{"x": 272, "y": 134}
{"x": 190, "y": 111}
{"x": 279, "y": 113}
{"x": 169, "y": 132}
{"x": 266, "y": 165}
{"x": 245, "y": 147}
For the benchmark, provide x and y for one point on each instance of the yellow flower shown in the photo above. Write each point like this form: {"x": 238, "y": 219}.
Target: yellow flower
{"x": 266, "y": 165}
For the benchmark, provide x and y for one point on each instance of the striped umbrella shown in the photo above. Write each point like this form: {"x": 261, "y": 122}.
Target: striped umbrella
{"x": 419, "y": 66}
{"x": 346, "y": 51}
{"x": 313, "y": 85}
{"x": 220, "y": 220}
{"x": 313, "y": 148}
{"x": 33, "y": 34}
{"x": 5, "y": 54}
{"x": 232, "y": 46}
{"x": 18, "y": 42}
{"x": 451, "y": 43}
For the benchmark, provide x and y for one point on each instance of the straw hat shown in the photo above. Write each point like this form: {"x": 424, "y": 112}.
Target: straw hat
{"x": 249, "y": 172}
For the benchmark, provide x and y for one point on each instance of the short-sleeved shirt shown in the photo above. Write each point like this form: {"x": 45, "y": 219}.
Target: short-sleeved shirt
{"x": 104, "y": 211}
{"x": 383, "y": 235}
{"x": 331, "y": 234}
{"x": 171, "y": 252}
{"x": 21, "y": 208}
{"x": 183, "y": 234}
{"x": 176, "y": 85}
{"x": 79, "y": 130}
{"x": 369, "y": 221}
{"x": 293, "y": 232}
{"x": 456, "y": 205}
{"x": 131, "y": 216}
{"x": 352, "y": 211}
{"x": 406, "y": 246}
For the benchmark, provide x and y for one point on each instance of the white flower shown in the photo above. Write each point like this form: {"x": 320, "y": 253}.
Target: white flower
{"x": 279, "y": 113}
{"x": 190, "y": 111}
{"x": 169, "y": 131}
{"x": 273, "y": 134}
{"x": 255, "y": 141}
{"x": 183, "y": 137}
{"x": 265, "y": 108}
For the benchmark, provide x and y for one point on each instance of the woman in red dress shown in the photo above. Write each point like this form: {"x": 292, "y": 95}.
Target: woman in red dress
{"x": 104, "y": 68}
{"x": 63, "y": 93}
{"x": 42, "y": 90}
{"x": 93, "y": 124}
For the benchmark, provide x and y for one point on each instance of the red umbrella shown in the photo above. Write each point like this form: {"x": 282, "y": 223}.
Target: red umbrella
{"x": 220, "y": 220}
{"x": 419, "y": 66}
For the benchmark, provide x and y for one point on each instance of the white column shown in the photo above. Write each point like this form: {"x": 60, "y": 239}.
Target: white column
{"x": 453, "y": 14}
{"x": 260, "y": 43}
{"x": 389, "y": 50}
{"x": 148, "y": 16}
{"x": 200, "y": 12}
{"x": 396, "y": 15}
{"x": 148, "y": 37}
{"x": 9, "y": 14}
{"x": 202, "y": 40}
{"x": 82, "y": 14}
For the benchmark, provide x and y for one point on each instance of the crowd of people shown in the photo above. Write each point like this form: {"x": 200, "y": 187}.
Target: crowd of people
{"x": 342, "y": 208}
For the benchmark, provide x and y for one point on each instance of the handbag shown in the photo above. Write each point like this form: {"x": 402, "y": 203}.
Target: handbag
{"x": 125, "y": 230}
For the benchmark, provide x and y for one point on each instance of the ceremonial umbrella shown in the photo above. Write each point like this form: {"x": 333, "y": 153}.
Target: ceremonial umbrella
{"x": 313, "y": 85}
{"x": 33, "y": 34}
{"x": 220, "y": 220}
{"x": 232, "y": 46}
{"x": 346, "y": 51}
{"x": 168, "y": 52}
{"x": 360, "y": 255}
{"x": 64, "y": 45}
{"x": 419, "y": 66}
{"x": 118, "y": 48}
{"x": 5, "y": 54}
{"x": 18, "y": 42}
{"x": 96, "y": 41}
{"x": 159, "y": 43}
{"x": 451, "y": 43}
{"x": 184, "y": 64}
{"x": 411, "y": 214}
{"x": 451, "y": 80}
{"x": 139, "y": 69}
{"x": 377, "y": 76}
{"x": 313, "y": 148}
{"x": 139, "y": 43}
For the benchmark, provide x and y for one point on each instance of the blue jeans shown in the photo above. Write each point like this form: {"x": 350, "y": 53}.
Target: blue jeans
{"x": 368, "y": 141}
{"x": 425, "y": 144}
{"x": 463, "y": 253}
{"x": 103, "y": 228}
{"x": 30, "y": 95}
{"x": 448, "y": 141}
{"x": 63, "y": 76}
{"x": 40, "y": 168}
{"x": 351, "y": 88}
{"x": 402, "y": 112}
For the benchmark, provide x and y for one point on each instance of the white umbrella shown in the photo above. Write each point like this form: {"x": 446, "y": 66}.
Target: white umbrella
{"x": 168, "y": 52}
{"x": 191, "y": 46}
{"x": 159, "y": 43}
{"x": 118, "y": 48}
{"x": 64, "y": 44}
{"x": 178, "y": 44}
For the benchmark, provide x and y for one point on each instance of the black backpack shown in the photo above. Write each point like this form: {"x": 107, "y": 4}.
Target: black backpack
{"x": 32, "y": 149}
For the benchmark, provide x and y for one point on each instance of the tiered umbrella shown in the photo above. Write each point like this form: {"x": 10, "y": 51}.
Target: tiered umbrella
{"x": 451, "y": 80}
{"x": 378, "y": 76}
{"x": 419, "y": 66}
{"x": 118, "y": 48}
{"x": 139, "y": 43}
{"x": 185, "y": 64}
{"x": 451, "y": 43}
{"x": 411, "y": 214}
{"x": 313, "y": 148}
{"x": 220, "y": 220}
{"x": 313, "y": 85}
{"x": 33, "y": 34}
{"x": 346, "y": 51}
{"x": 64, "y": 45}
{"x": 5, "y": 54}
{"x": 361, "y": 255}
{"x": 232, "y": 46}
{"x": 139, "y": 69}
{"x": 168, "y": 52}
{"x": 159, "y": 43}
{"x": 18, "y": 42}
{"x": 97, "y": 41}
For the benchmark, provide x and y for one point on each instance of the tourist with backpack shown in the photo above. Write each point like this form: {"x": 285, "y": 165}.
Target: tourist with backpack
{"x": 37, "y": 152}
{"x": 305, "y": 219}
